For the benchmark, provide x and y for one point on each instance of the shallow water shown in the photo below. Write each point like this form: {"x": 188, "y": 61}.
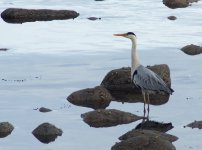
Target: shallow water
{"x": 47, "y": 61}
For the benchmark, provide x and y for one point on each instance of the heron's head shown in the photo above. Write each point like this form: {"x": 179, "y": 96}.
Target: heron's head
{"x": 129, "y": 35}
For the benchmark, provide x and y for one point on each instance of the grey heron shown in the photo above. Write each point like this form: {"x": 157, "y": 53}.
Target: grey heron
{"x": 148, "y": 81}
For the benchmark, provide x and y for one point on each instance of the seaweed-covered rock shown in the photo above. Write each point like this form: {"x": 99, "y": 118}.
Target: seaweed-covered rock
{"x": 154, "y": 125}
{"x": 96, "y": 98}
{"x": 5, "y": 129}
{"x": 144, "y": 142}
{"x": 192, "y": 49}
{"x": 195, "y": 124}
{"x": 119, "y": 84}
{"x": 46, "y": 132}
{"x": 153, "y": 133}
{"x": 19, "y": 15}
{"x": 108, "y": 118}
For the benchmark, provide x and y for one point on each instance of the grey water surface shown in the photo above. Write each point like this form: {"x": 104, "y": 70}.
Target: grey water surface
{"x": 47, "y": 61}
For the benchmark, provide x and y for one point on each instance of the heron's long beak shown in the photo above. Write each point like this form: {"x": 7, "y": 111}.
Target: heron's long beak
{"x": 124, "y": 34}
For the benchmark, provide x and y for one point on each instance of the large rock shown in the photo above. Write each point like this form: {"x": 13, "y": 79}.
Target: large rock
{"x": 192, "y": 49}
{"x": 96, "y": 98}
{"x": 144, "y": 142}
{"x": 18, "y": 15}
{"x": 108, "y": 118}
{"x": 5, "y": 129}
{"x": 176, "y": 3}
{"x": 150, "y": 133}
{"x": 119, "y": 84}
{"x": 46, "y": 132}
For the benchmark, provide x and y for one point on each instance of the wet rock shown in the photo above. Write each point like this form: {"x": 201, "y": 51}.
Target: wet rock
{"x": 3, "y": 49}
{"x": 93, "y": 18}
{"x": 153, "y": 125}
{"x": 192, "y": 49}
{"x": 96, "y": 98}
{"x": 195, "y": 124}
{"x": 172, "y": 18}
{"x": 119, "y": 84}
{"x": 149, "y": 133}
{"x": 46, "y": 132}
{"x": 18, "y": 15}
{"x": 108, "y": 118}
{"x": 176, "y": 3}
{"x": 5, "y": 129}
{"x": 43, "y": 109}
{"x": 144, "y": 143}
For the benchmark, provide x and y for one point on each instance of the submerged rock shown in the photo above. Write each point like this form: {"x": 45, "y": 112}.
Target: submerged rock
{"x": 149, "y": 133}
{"x": 192, "y": 49}
{"x": 5, "y": 129}
{"x": 43, "y": 109}
{"x": 108, "y": 118}
{"x": 46, "y": 132}
{"x": 153, "y": 125}
{"x": 172, "y": 18}
{"x": 144, "y": 142}
{"x": 93, "y": 18}
{"x": 3, "y": 49}
{"x": 195, "y": 124}
{"x": 119, "y": 84}
{"x": 96, "y": 98}
{"x": 19, "y": 15}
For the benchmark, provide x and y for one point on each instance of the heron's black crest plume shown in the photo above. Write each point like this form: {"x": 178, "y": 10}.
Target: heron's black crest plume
{"x": 131, "y": 33}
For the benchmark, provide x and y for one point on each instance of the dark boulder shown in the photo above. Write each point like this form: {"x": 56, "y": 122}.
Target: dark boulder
{"x": 5, "y": 129}
{"x": 108, "y": 118}
{"x": 119, "y": 84}
{"x": 154, "y": 125}
{"x": 192, "y": 49}
{"x": 144, "y": 142}
{"x": 18, "y": 15}
{"x": 46, "y": 133}
{"x": 96, "y": 98}
{"x": 149, "y": 133}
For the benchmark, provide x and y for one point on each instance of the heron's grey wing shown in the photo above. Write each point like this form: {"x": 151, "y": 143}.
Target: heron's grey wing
{"x": 149, "y": 80}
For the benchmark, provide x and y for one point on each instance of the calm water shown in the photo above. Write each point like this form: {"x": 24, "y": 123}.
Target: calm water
{"x": 56, "y": 58}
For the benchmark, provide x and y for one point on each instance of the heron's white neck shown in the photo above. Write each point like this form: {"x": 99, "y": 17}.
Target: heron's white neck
{"x": 134, "y": 56}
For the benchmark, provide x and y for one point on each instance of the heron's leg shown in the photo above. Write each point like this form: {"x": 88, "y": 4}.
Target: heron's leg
{"x": 148, "y": 102}
{"x": 144, "y": 97}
